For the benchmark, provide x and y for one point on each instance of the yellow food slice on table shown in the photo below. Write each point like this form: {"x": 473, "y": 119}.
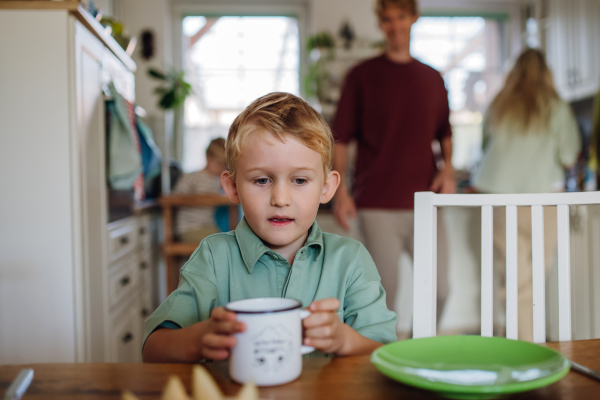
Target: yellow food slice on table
{"x": 204, "y": 386}
{"x": 248, "y": 392}
{"x": 127, "y": 395}
{"x": 174, "y": 390}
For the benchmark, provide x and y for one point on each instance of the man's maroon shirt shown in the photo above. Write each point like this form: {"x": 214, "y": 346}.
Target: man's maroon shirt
{"x": 394, "y": 112}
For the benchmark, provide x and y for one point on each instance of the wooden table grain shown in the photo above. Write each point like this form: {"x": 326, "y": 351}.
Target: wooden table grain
{"x": 339, "y": 378}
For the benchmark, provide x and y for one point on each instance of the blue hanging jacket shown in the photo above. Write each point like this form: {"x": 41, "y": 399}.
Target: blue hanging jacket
{"x": 151, "y": 155}
{"x": 124, "y": 159}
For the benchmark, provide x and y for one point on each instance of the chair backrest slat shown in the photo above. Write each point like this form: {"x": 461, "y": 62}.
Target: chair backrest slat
{"x": 564, "y": 273}
{"x": 487, "y": 273}
{"x": 425, "y": 266}
{"x": 538, "y": 274}
{"x": 512, "y": 329}
{"x": 425, "y": 283}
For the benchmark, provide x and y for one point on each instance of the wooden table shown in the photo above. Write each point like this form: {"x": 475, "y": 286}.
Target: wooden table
{"x": 338, "y": 378}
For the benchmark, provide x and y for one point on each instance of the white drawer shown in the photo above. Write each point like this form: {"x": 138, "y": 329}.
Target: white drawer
{"x": 147, "y": 304}
{"x": 122, "y": 279}
{"x": 125, "y": 334}
{"x": 144, "y": 232}
{"x": 144, "y": 265}
{"x": 122, "y": 238}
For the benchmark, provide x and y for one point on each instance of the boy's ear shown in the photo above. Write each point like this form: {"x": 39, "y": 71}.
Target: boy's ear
{"x": 229, "y": 187}
{"x": 331, "y": 184}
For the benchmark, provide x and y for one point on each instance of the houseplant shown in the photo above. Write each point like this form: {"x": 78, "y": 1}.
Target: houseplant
{"x": 172, "y": 93}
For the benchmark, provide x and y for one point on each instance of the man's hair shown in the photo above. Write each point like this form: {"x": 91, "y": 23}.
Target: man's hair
{"x": 281, "y": 114}
{"x": 408, "y": 5}
{"x": 216, "y": 149}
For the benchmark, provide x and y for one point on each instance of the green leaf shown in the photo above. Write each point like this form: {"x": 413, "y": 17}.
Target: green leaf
{"x": 156, "y": 74}
{"x": 175, "y": 89}
{"x": 168, "y": 100}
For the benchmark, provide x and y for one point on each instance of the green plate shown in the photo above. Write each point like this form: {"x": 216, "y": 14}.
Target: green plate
{"x": 470, "y": 367}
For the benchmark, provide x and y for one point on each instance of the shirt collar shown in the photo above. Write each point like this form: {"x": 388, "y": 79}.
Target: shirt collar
{"x": 252, "y": 248}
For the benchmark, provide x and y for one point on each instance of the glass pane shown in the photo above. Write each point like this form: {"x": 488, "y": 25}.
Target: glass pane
{"x": 467, "y": 52}
{"x": 230, "y": 61}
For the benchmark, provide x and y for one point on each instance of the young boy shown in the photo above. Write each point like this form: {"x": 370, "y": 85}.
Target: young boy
{"x": 196, "y": 223}
{"x": 279, "y": 152}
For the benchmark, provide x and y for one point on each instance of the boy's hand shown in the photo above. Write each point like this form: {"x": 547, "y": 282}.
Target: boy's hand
{"x": 216, "y": 338}
{"x": 323, "y": 329}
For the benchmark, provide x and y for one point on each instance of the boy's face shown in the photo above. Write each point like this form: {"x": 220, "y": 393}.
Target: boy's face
{"x": 395, "y": 23}
{"x": 279, "y": 186}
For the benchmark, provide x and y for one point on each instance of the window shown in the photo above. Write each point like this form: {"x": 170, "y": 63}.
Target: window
{"x": 230, "y": 61}
{"x": 468, "y": 53}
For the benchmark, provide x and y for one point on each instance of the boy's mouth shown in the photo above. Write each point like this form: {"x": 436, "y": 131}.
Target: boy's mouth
{"x": 280, "y": 220}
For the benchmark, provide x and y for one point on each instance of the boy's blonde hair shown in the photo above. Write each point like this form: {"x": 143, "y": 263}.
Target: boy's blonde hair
{"x": 408, "y": 5}
{"x": 216, "y": 149}
{"x": 280, "y": 114}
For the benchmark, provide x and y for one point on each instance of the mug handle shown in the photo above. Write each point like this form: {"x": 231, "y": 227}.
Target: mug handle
{"x": 305, "y": 349}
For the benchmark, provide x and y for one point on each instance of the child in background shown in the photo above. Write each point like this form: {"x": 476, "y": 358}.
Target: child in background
{"x": 195, "y": 223}
{"x": 279, "y": 152}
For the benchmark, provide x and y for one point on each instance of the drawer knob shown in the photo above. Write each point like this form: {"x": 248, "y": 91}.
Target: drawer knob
{"x": 142, "y": 230}
{"x": 143, "y": 265}
{"x": 124, "y": 240}
{"x": 144, "y": 312}
{"x": 127, "y": 338}
{"x": 125, "y": 281}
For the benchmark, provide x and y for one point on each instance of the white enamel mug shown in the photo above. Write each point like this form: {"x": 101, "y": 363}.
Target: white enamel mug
{"x": 269, "y": 352}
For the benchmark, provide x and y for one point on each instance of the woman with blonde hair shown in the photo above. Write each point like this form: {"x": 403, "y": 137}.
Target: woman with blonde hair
{"x": 529, "y": 137}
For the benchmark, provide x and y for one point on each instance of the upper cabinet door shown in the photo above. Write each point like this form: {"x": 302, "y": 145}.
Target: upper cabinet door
{"x": 572, "y": 46}
{"x": 90, "y": 181}
{"x": 584, "y": 19}
{"x": 558, "y": 48}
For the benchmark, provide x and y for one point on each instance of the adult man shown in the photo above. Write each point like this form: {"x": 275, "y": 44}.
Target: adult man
{"x": 394, "y": 107}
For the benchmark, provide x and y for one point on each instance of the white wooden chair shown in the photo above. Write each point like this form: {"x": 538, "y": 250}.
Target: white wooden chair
{"x": 425, "y": 271}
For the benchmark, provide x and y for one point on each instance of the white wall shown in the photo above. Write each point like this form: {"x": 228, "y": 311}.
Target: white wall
{"x": 36, "y": 233}
{"x": 139, "y": 15}
{"x": 330, "y": 14}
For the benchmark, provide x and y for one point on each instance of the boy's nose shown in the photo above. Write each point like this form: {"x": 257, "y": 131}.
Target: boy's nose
{"x": 281, "y": 196}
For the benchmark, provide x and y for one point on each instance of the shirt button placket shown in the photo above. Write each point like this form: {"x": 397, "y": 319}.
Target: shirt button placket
{"x": 294, "y": 289}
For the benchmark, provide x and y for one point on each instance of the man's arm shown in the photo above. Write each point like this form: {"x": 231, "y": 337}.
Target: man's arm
{"x": 343, "y": 203}
{"x": 345, "y": 127}
{"x": 444, "y": 180}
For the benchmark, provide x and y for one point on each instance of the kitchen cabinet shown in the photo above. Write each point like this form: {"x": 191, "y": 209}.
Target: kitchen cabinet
{"x": 130, "y": 276}
{"x": 73, "y": 288}
{"x": 572, "y": 43}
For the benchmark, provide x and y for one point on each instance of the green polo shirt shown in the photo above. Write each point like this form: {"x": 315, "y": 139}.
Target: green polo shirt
{"x": 237, "y": 265}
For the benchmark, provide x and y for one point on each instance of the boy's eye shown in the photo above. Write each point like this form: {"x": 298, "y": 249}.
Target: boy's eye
{"x": 300, "y": 181}
{"x": 261, "y": 181}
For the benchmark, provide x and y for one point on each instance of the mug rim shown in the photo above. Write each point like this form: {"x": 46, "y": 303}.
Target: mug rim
{"x": 294, "y": 307}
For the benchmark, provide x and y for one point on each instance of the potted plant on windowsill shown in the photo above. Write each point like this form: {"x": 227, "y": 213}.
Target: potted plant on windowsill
{"x": 172, "y": 94}
{"x": 321, "y": 48}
